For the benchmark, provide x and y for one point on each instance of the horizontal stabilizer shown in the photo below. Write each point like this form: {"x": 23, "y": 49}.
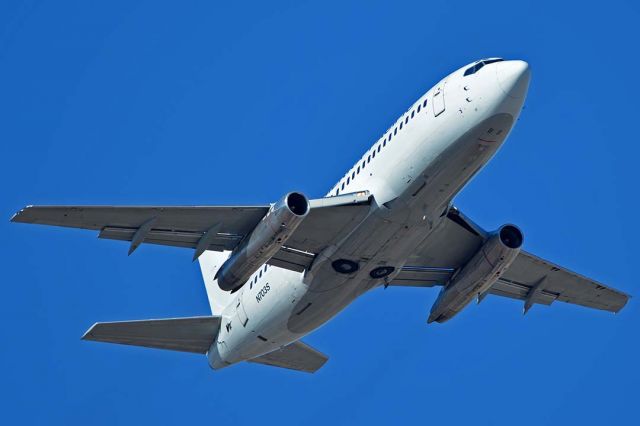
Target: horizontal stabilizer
{"x": 297, "y": 356}
{"x": 194, "y": 334}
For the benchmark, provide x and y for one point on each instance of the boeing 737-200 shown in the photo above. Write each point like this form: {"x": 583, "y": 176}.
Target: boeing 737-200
{"x": 274, "y": 273}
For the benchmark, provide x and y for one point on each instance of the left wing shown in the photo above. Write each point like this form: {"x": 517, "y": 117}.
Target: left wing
{"x": 216, "y": 228}
{"x": 535, "y": 280}
{"x": 529, "y": 278}
{"x": 296, "y": 356}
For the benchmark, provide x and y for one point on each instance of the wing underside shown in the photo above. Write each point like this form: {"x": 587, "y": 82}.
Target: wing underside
{"x": 535, "y": 280}
{"x": 450, "y": 247}
{"x": 202, "y": 228}
{"x": 529, "y": 278}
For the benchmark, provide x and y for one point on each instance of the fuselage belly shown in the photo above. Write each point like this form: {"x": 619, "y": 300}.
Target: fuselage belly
{"x": 413, "y": 172}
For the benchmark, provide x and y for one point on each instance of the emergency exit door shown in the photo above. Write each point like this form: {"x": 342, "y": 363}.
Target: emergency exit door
{"x": 242, "y": 314}
{"x": 438, "y": 99}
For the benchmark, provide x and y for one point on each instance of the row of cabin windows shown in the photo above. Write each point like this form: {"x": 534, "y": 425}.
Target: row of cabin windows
{"x": 254, "y": 280}
{"x": 385, "y": 139}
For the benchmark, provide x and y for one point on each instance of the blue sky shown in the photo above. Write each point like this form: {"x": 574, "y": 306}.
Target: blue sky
{"x": 196, "y": 103}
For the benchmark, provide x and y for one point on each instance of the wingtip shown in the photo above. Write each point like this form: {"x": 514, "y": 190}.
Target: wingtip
{"x": 16, "y": 215}
{"x": 87, "y": 334}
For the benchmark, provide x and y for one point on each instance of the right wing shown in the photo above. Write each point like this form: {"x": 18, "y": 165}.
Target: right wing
{"x": 296, "y": 356}
{"x": 171, "y": 225}
{"x": 216, "y": 228}
{"x": 194, "y": 334}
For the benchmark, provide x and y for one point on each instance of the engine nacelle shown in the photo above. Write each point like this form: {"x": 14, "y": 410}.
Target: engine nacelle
{"x": 264, "y": 241}
{"x": 479, "y": 274}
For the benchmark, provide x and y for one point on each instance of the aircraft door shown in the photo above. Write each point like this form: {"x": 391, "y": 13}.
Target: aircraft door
{"x": 242, "y": 314}
{"x": 438, "y": 99}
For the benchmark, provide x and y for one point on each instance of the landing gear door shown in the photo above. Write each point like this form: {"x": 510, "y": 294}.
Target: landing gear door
{"x": 438, "y": 99}
{"x": 242, "y": 314}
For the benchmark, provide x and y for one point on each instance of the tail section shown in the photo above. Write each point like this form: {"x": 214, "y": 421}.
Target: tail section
{"x": 210, "y": 262}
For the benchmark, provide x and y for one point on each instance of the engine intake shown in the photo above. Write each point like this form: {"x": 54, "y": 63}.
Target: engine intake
{"x": 511, "y": 236}
{"x": 269, "y": 235}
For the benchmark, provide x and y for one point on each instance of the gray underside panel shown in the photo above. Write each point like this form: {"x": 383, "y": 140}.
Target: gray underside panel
{"x": 529, "y": 277}
{"x": 328, "y": 220}
{"x": 559, "y": 284}
{"x": 297, "y": 356}
{"x": 194, "y": 334}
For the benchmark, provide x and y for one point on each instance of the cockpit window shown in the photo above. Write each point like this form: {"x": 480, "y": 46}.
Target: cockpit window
{"x": 475, "y": 68}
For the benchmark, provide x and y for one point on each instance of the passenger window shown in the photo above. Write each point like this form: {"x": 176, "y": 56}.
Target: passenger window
{"x": 400, "y": 126}
{"x": 348, "y": 180}
{"x": 413, "y": 113}
{"x": 265, "y": 268}
{"x": 363, "y": 163}
{"x": 260, "y": 274}
{"x": 337, "y": 191}
{"x": 374, "y": 153}
{"x": 384, "y": 142}
{"x": 424, "y": 104}
{"x": 353, "y": 175}
{"x": 369, "y": 158}
{"x": 395, "y": 131}
{"x": 378, "y": 148}
{"x": 342, "y": 185}
{"x": 358, "y": 171}
{"x": 406, "y": 120}
{"x": 419, "y": 106}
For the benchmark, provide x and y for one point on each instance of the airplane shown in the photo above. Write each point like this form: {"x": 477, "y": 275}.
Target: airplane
{"x": 276, "y": 272}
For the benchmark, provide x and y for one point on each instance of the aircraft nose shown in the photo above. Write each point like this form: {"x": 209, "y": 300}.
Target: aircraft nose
{"x": 513, "y": 78}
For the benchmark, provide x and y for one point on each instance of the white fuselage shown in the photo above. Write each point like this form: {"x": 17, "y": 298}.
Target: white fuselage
{"x": 413, "y": 172}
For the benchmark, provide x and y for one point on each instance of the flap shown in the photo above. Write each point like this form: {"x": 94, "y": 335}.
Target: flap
{"x": 418, "y": 276}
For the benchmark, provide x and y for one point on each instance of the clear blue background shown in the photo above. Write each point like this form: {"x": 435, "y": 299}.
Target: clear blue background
{"x": 196, "y": 103}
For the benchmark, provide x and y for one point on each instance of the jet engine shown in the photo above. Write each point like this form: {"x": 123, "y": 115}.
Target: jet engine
{"x": 479, "y": 274}
{"x": 264, "y": 241}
